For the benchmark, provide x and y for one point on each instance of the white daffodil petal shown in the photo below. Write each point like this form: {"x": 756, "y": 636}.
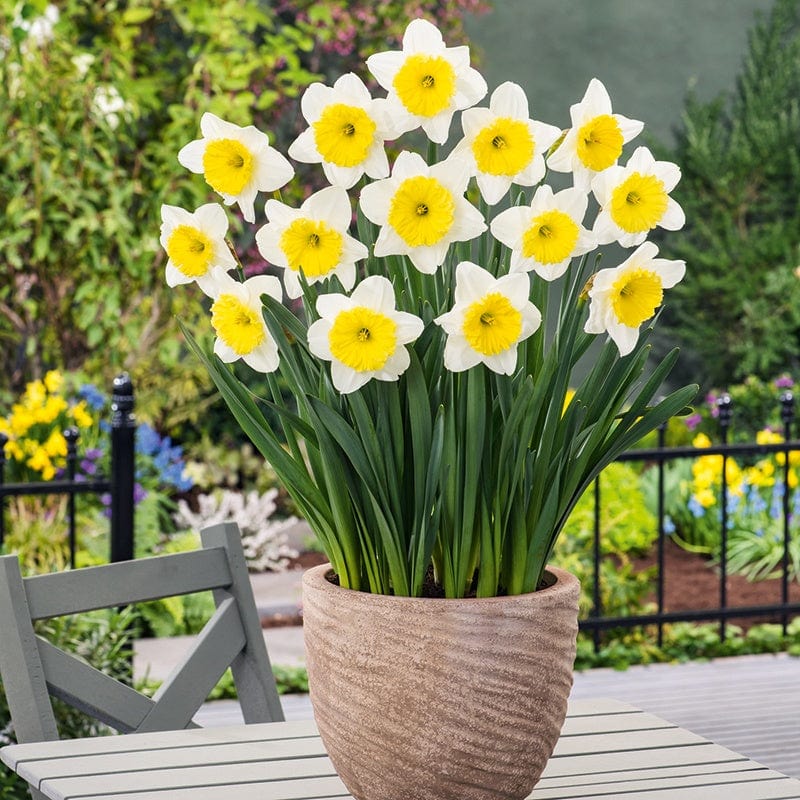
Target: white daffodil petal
{"x": 304, "y": 148}
{"x": 458, "y": 355}
{"x": 493, "y": 187}
{"x": 175, "y": 277}
{"x": 674, "y": 218}
{"x": 347, "y": 380}
{"x": 264, "y": 358}
{"x": 191, "y": 155}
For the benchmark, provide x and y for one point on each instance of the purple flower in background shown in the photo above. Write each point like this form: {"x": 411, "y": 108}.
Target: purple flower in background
{"x": 139, "y": 493}
{"x": 711, "y": 402}
{"x": 692, "y": 421}
{"x": 783, "y": 382}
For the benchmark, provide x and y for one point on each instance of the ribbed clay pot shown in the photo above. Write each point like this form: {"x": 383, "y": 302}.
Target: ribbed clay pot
{"x": 435, "y": 699}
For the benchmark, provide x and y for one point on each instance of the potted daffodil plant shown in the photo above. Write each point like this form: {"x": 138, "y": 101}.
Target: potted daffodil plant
{"x": 460, "y": 372}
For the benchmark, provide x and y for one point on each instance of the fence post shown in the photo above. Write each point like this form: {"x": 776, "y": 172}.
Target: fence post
{"x": 71, "y": 435}
{"x": 123, "y": 468}
{"x": 787, "y": 417}
{"x": 597, "y": 601}
{"x": 662, "y": 435}
{"x": 3, "y": 443}
{"x": 724, "y": 404}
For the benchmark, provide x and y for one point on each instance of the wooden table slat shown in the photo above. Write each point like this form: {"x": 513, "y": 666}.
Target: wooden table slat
{"x": 607, "y": 750}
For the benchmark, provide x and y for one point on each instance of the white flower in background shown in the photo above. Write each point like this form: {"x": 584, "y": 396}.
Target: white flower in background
{"x": 595, "y": 140}
{"x": 427, "y": 82}
{"x": 624, "y": 297}
{"x": 634, "y": 199}
{"x": 82, "y": 62}
{"x": 312, "y": 239}
{"x": 503, "y": 145}
{"x": 546, "y": 235}
{"x": 237, "y": 319}
{"x": 236, "y": 162}
{"x": 195, "y": 244}
{"x": 491, "y": 316}
{"x": 363, "y": 335}
{"x": 265, "y": 542}
{"x": 422, "y": 210}
{"x": 347, "y": 131}
{"x": 39, "y": 29}
{"x": 107, "y": 104}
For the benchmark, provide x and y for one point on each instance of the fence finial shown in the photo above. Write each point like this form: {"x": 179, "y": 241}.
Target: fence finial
{"x": 787, "y": 409}
{"x": 122, "y": 402}
{"x": 725, "y": 408}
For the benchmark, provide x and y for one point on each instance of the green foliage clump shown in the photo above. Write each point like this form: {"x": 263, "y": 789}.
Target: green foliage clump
{"x": 740, "y": 190}
{"x": 627, "y": 529}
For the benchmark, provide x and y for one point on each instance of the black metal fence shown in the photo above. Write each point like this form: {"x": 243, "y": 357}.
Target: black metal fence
{"x": 657, "y": 458}
{"x": 119, "y": 484}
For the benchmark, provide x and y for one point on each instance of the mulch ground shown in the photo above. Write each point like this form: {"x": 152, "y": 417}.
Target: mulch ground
{"x": 691, "y": 582}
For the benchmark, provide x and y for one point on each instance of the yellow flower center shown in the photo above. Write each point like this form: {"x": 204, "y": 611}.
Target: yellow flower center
{"x": 600, "y": 142}
{"x": 491, "y": 324}
{"x": 228, "y": 166}
{"x": 425, "y": 84}
{"x": 190, "y": 250}
{"x": 638, "y": 203}
{"x": 550, "y": 238}
{"x": 422, "y": 211}
{"x": 503, "y": 148}
{"x": 363, "y": 339}
{"x": 239, "y": 326}
{"x": 312, "y": 246}
{"x": 635, "y": 296}
{"x": 344, "y": 134}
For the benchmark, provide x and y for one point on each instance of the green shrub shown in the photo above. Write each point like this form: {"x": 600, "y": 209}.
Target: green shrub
{"x": 740, "y": 189}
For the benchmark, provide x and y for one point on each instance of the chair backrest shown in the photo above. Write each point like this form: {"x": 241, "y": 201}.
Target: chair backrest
{"x": 32, "y": 669}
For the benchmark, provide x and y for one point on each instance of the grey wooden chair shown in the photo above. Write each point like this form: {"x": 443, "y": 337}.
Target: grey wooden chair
{"x": 32, "y": 669}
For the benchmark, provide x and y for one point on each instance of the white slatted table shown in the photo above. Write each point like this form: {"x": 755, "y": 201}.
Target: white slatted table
{"x": 607, "y": 750}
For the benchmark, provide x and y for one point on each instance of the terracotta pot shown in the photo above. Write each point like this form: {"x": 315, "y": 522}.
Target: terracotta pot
{"x": 432, "y": 699}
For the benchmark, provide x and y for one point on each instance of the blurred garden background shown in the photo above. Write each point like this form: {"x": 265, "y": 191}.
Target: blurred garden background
{"x": 97, "y": 98}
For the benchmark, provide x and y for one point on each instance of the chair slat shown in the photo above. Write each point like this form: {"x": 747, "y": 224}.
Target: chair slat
{"x": 119, "y": 584}
{"x": 252, "y": 671}
{"x": 91, "y": 691}
{"x": 192, "y": 680}
{"x": 20, "y": 666}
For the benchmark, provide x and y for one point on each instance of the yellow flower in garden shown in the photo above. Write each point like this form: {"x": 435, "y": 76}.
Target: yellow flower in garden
{"x": 312, "y": 239}
{"x": 624, "y": 297}
{"x": 634, "y": 200}
{"x": 768, "y": 436}
{"x": 79, "y": 413}
{"x": 363, "y": 335}
{"x": 595, "y": 140}
{"x": 35, "y": 393}
{"x": 503, "y": 145}
{"x": 236, "y": 162}
{"x": 701, "y": 440}
{"x": 347, "y": 131}
{"x": 53, "y": 380}
{"x": 422, "y": 210}
{"x": 52, "y": 408}
{"x": 40, "y": 462}
{"x": 705, "y": 497}
{"x": 762, "y": 474}
{"x": 56, "y": 445}
{"x": 427, "y": 82}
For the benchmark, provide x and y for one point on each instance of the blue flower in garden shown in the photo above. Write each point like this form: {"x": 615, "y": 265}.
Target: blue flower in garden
{"x": 696, "y": 508}
{"x": 148, "y": 442}
{"x": 669, "y": 525}
{"x": 733, "y": 503}
{"x": 94, "y": 398}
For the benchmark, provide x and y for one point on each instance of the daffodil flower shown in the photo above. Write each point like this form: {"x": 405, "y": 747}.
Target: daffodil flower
{"x": 312, "y": 239}
{"x": 503, "y": 145}
{"x": 237, "y": 319}
{"x": 195, "y": 243}
{"x": 624, "y": 297}
{"x": 548, "y": 234}
{"x": 427, "y": 82}
{"x": 634, "y": 199}
{"x": 363, "y": 335}
{"x": 236, "y": 162}
{"x": 422, "y": 210}
{"x": 347, "y": 131}
{"x": 490, "y": 317}
{"x": 594, "y": 142}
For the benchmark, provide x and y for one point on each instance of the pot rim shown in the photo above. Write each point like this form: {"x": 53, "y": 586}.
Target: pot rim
{"x": 314, "y": 579}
